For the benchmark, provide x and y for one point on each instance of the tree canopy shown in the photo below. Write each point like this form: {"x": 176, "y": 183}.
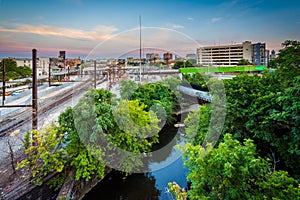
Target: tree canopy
{"x": 244, "y": 62}
{"x": 91, "y": 135}
{"x": 234, "y": 171}
{"x": 43, "y": 153}
{"x": 257, "y": 155}
{"x": 156, "y": 96}
{"x": 13, "y": 71}
{"x": 183, "y": 64}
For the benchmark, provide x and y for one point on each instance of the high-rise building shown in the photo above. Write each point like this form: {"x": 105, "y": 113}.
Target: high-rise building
{"x": 152, "y": 57}
{"x": 229, "y": 55}
{"x": 167, "y": 57}
{"x": 149, "y": 56}
{"x": 260, "y": 56}
{"x": 62, "y": 56}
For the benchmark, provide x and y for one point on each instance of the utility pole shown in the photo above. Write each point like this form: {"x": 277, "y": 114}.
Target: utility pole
{"x": 49, "y": 73}
{"x": 34, "y": 92}
{"x": 34, "y": 104}
{"x": 3, "y": 81}
{"x": 68, "y": 72}
{"x": 140, "y": 49}
{"x": 95, "y": 81}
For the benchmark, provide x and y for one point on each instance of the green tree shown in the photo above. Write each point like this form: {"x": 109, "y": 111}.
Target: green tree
{"x": 287, "y": 63}
{"x": 266, "y": 109}
{"x": 234, "y": 171}
{"x": 197, "y": 80}
{"x": 197, "y": 124}
{"x": 288, "y": 57}
{"x": 13, "y": 71}
{"x": 177, "y": 191}
{"x": 79, "y": 126}
{"x": 135, "y": 132}
{"x": 244, "y": 62}
{"x": 44, "y": 154}
{"x": 97, "y": 128}
{"x": 127, "y": 87}
{"x": 137, "y": 129}
{"x": 192, "y": 61}
{"x": 172, "y": 84}
{"x": 182, "y": 64}
{"x": 152, "y": 94}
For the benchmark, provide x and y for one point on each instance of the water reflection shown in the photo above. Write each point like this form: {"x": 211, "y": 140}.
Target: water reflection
{"x": 135, "y": 186}
{"x": 151, "y": 185}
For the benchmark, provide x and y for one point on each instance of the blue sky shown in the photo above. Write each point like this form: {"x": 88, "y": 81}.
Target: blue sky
{"x": 89, "y": 28}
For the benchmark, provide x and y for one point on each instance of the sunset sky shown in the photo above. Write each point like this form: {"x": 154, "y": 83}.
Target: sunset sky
{"x": 105, "y": 29}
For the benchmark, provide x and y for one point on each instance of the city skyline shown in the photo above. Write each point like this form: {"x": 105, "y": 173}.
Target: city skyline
{"x": 87, "y": 28}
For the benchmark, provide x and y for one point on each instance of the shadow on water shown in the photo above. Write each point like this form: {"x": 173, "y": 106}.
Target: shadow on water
{"x": 152, "y": 185}
{"x": 135, "y": 186}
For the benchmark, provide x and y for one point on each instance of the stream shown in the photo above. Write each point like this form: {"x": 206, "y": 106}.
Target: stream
{"x": 151, "y": 185}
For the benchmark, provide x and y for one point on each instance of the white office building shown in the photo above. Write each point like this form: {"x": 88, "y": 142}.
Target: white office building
{"x": 229, "y": 55}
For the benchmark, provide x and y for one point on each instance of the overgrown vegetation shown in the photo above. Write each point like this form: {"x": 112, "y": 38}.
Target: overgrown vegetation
{"x": 94, "y": 133}
{"x": 257, "y": 155}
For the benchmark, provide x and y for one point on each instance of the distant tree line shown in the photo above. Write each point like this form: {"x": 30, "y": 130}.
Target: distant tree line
{"x": 13, "y": 71}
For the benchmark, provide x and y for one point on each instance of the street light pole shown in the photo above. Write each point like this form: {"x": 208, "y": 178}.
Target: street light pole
{"x": 140, "y": 50}
{"x": 95, "y": 80}
{"x": 49, "y": 74}
{"x": 3, "y": 82}
{"x": 34, "y": 92}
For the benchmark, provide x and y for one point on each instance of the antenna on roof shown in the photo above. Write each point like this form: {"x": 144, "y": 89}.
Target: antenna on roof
{"x": 140, "y": 48}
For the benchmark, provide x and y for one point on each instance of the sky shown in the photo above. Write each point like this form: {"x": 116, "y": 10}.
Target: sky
{"x": 110, "y": 29}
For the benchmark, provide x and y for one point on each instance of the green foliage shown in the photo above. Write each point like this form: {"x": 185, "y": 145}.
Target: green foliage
{"x": 197, "y": 124}
{"x": 95, "y": 130}
{"x": 76, "y": 143}
{"x": 127, "y": 87}
{"x": 206, "y": 124}
{"x": 289, "y": 56}
{"x": 57, "y": 182}
{"x": 266, "y": 109}
{"x": 86, "y": 166}
{"x": 177, "y": 191}
{"x": 197, "y": 80}
{"x": 43, "y": 153}
{"x": 241, "y": 92}
{"x": 244, "y": 62}
{"x": 157, "y": 93}
{"x": 182, "y": 64}
{"x": 234, "y": 171}
{"x": 138, "y": 128}
{"x": 81, "y": 158}
{"x": 192, "y": 61}
{"x": 172, "y": 84}
{"x": 13, "y": 71}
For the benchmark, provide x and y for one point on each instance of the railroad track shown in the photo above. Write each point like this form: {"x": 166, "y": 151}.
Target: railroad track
{"x": 24, "y": 115}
